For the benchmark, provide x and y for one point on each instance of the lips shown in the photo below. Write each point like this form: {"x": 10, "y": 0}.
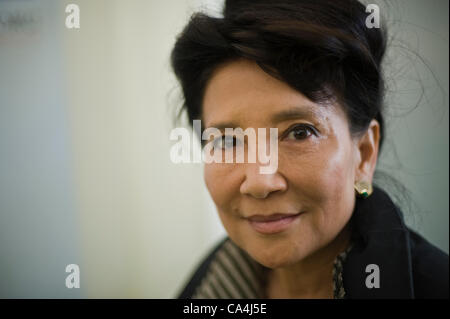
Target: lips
{"x": 271, "y": 224}
{"x": 269, "y": 218}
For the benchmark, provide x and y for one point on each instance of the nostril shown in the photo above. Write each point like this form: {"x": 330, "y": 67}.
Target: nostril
{"x": 260, "y": 191}
{"x": 260, "y": 195}
{"x": 260, "y": 186}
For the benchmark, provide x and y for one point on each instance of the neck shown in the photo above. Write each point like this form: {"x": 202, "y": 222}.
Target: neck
{"x": 311, "y": 277}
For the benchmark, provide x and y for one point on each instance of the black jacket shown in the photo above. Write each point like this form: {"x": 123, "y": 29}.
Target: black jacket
{"x": 409, "y": 266}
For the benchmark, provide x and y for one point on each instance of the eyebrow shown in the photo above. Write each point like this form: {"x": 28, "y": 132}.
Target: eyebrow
{"x": 285, "y": 115}
{"x": 294, "y": 113}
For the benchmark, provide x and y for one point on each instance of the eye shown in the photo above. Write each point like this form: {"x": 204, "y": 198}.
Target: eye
{"x": 226, "y": 141}
{"x": 300, "y": 132}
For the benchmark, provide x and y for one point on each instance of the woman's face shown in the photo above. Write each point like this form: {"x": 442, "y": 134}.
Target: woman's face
{"x": 317, "y": 160}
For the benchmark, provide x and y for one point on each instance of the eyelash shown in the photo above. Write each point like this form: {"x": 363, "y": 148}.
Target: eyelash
{"x": 222, "y": 141}
{"x": 289, "y": 131}
{"x": 295, "y": 127}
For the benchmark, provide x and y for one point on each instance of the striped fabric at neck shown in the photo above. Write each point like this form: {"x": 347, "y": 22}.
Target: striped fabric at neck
{"x": 233, "y": 274}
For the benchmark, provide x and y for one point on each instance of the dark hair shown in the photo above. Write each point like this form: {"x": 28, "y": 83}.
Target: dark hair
{"x": 322, "y": 48}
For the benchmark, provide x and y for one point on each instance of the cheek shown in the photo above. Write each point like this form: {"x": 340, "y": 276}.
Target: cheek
{"x": 323, "y": 180}
{"x": 221, "y": 183}
{"x": 332, "y": 177}
{"x": 210, "y": 175}
{"x": 336, "y": 194}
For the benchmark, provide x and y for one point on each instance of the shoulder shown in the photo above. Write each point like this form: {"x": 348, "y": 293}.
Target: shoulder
{"x": 429, "y": 268}
{"x": 226, "y": 272}
{"x": 201, "y": 270}
{"x": 409, "y": 266}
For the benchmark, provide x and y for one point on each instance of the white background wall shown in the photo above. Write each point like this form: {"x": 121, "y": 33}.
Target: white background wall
{"x": 146, "y": 221}
{"x": 85, "y": 174}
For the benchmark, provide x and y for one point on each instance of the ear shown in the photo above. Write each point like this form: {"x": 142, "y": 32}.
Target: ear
{"x": 367, "y": 152}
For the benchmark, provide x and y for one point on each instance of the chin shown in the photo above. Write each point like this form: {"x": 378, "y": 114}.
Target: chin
{"x": 275, "y": 257}
{"x": 275, "y": 261}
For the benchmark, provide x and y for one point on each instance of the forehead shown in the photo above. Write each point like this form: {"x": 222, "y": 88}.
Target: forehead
{"x": 242, "y": 93}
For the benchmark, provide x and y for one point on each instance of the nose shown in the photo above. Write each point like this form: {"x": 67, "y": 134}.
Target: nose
{"x": 260, "y": 185}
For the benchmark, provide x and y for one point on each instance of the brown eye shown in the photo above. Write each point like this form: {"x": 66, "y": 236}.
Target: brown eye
{"x": 224, "y": 142}
{"x": 300, "y": 132}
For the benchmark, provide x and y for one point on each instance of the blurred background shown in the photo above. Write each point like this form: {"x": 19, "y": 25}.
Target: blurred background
{"x": 85, "y": 116}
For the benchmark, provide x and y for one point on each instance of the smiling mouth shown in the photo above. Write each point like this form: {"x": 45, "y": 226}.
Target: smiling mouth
{"x": 272, "y": 224}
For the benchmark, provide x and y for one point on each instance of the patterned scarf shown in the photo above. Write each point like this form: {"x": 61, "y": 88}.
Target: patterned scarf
{"x": 233, "y": 274}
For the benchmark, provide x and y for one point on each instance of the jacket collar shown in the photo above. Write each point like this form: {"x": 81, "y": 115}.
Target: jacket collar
{"x": 380, "y": 237}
